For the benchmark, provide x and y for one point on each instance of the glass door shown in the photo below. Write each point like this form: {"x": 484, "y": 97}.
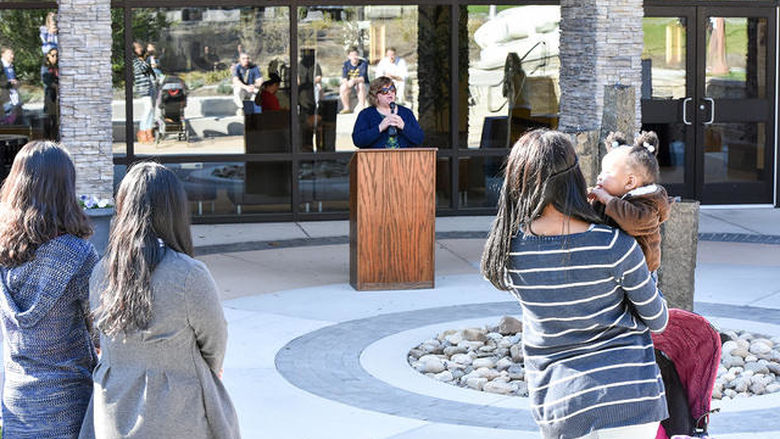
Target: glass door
{"x": 708, "y": 91}
{"x": 735, "y": 104}
{"x": 667, "y": 91}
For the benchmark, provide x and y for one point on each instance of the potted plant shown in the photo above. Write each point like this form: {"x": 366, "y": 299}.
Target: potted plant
{"x": 100, "y": 211}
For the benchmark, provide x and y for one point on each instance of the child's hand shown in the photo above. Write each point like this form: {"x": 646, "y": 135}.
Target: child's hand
{"x": 591, "y": 195}
{"x": 600, "y": 194}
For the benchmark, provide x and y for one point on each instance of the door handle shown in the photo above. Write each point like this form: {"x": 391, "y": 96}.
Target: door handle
{"x": 685, "y": 111}
{"x": 712, "y": 111}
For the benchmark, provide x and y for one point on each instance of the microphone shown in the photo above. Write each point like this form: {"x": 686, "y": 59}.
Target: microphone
{"x": 392, "y": 131}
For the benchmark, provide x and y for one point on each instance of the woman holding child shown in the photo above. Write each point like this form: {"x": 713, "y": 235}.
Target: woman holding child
{"x": 589, "y": 304}
{"x": 162, "y": 331}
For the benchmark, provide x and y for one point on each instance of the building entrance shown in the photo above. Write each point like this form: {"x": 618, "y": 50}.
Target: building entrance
{"x": 708, "y": 90}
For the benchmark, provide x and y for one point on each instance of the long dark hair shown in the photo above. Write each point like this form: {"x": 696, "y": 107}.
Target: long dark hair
{"x": 38, "y": 202}
{"x": 152, "y": 215}
{"x": 541, "y": 170}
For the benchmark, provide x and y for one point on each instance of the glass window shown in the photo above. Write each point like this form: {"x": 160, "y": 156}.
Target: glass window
{"x": 734, "y": 152}
{"x": 343, "y": 48}
{"x": 663, "y": 57}
{"x": 198, "y": 75}
{"x": 480, "y": 181}
{"x": 443, "y": 184}
{"x": 29, "y": 80}
{"x": 118, "y": 97}
{"x": 236, "y": 188}
{"x": 513, "y": 66}
{"x": 736, "y": 57}
{"x": 324, "y": 186}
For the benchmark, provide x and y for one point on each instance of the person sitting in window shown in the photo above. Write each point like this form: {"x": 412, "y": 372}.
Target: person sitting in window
{"x": 354, "y": 74}
{"x": 246, "y": 81}
{"x": 394, "y": 68}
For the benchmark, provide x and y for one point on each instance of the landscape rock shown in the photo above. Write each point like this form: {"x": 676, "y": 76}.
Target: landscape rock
{"x": 499, "y": 387}
{"x": 475, "y": 334}
{"x": 445, "y": 376}
{"x": 491, "y": 359}
{"x": 509, "y": 325}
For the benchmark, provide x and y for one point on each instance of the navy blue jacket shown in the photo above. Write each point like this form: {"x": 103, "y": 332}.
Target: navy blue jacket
{"x": 366, "y": 133}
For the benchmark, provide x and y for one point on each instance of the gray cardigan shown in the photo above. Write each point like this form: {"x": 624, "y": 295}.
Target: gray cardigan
{"x": 163, "y": 381}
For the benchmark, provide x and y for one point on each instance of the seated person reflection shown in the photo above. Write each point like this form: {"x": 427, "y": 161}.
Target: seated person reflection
{"x": 267, "y": 99}
{"x": 384, "y": 124}
{"x": 246, "y": 79}
{"x": 354, "y": 74}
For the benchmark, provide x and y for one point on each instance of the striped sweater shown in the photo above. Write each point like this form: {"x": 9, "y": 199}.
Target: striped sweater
{"x": 589, "y": 306}
{"x": 143, "y": 76}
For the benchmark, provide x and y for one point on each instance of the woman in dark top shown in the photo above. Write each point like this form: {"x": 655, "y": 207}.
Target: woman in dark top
{"x": 267, "y": 99}
{"x": 384, "y": 124}
{"x": 50, "y": 76}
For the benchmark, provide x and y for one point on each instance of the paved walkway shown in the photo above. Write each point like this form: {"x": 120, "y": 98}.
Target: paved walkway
{"x": 310, "y": 358}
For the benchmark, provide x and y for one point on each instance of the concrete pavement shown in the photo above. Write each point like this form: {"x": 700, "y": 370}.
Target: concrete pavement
{"x": 310, "y": 358}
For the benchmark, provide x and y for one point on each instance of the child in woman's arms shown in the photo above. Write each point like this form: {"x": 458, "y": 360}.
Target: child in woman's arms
{"x": 627, "y": 196}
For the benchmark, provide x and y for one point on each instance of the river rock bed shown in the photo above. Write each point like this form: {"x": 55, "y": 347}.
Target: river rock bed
{"x": 490, "y": 359}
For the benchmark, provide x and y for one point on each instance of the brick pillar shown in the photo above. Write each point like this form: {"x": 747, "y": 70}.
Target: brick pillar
{"x": 601, "y": 44}
{"x": 85, "y": 92}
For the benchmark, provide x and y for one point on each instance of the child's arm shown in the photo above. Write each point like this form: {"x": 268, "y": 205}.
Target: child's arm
{"x": 636, "y": 216}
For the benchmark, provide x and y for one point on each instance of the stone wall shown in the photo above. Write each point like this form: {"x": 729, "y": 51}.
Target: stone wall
{"x": 601, "y": 44}
{"x": 85, "y": 92}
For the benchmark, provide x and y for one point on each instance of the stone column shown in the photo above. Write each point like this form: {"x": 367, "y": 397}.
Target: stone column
{"x": 85, "y": 92}
{"x": 601, "y": 44}
{"x": 679, "y": 240}
{"x": 586, "y": 143}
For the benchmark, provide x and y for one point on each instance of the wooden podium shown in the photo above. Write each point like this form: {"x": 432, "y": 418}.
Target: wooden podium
{"x": 392, "y": 213}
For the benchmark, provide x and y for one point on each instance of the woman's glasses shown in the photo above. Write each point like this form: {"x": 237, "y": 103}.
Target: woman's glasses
{"x": 386, "y": 90}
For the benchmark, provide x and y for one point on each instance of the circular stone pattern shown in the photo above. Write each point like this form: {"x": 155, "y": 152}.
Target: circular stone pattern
{"x": 490, "y": 359}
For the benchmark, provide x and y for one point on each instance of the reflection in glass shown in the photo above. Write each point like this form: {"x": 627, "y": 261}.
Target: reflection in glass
{"x": 663, "y": 57}
{"x": 734, "y": 152}
{"x": 118, "y": 116}
{"x": 29, "y": 78}
{"x": 410, "y": 44}
{"x": 480, "y": 181}
{"x": 736, "y": 57}
{"x": 443, "y": 184}
{"x": 208, "y": 66}
{"x": 324, "y": 186}
{"x": 236, "y": 188}
{"x": 671, "y": 151}
{"x": 513, "y": 66}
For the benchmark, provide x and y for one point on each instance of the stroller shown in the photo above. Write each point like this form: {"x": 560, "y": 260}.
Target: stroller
{"x": 688, "y": 354}
{"x": 172, "y": 100}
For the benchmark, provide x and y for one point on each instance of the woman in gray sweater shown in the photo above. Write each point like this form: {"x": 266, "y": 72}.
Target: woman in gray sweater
{"x": 589, "y": 303}
{"x": 162, "y": 330}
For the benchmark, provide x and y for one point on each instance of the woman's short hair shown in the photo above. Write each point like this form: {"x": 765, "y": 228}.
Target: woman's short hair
{"x": 542, "y": 169}
{"x": 38, "y": 202}
{"x": 376, "y": 85}
{"x": 152, "y": 215}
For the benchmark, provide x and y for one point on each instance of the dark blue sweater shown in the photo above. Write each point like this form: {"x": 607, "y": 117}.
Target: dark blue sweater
{"x": 366, "y": 133}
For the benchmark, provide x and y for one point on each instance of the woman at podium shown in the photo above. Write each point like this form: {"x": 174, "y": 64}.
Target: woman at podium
{"x": 384, "y": 124}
